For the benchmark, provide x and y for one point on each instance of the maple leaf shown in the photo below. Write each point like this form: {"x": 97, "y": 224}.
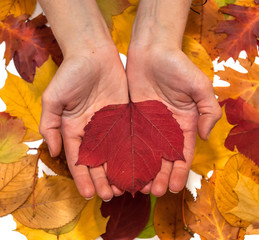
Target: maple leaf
{"x": 29, "y": 42}
{"x": 51, "y": 192}
{"x": 244, "y": 85}
{"x": 201, "y": 26}
{"x": 90, "y": 225}
{"x": 245, "y": 135}
{"x": 16, "y": 8}
{"x": 226, "y": 181}
{"x": 111, "y": 8}
{"x": 16, "y": 183}
{"x": 209, "y": 222}
{"x": 248, "y": 199}
{"x": 23, "y": 99}
{"x": 168, "y": 216}
{"x": 212, "y": 154}
{"x": 128, "y": 216}
{"x": 242, "y": 32}
{"x": 12, "y": 132}
{"x": 115, "y": 135}
{"x": 57, "y": 164}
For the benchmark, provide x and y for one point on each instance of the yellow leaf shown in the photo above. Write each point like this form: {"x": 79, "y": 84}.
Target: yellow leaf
{"x": 16, "y": 7}
{"x": 122, "y": 25}
{"x": 198, "y": 55}
{"x": 246, "y": 3}
{"x": 209, "y": 222}
{"x": 12, "y": 132}
{"x": 248, "y": 199}
{"x": 16, "y": 183}
{"x": 244, "y": 85}
{"x": 111, "y": 8}
{"x": 55, "y": 202}
{"x": 23, "y": 99}
{"x": 226, "y": 182}
{"x": 90, "y": 225}
{"x": 212, "y": 153}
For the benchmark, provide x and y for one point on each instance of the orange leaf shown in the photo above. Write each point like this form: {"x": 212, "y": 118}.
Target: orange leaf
{"x": 242, "y": 32}
{"x": 244, "y": 85}
{"x": 209, "y": 222}
{"x": 201, "y": 26}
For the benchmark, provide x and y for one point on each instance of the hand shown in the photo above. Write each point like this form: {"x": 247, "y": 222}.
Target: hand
{"x": 157, "y": 72}
{"x": 83, "y": 84}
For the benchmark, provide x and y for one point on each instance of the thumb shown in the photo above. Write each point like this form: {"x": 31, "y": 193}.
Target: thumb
{"x": 208, "y": 107}
{"x": 50, "y": 123}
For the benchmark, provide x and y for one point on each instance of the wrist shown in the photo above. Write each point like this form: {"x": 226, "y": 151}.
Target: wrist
{"x": 160, "y": 21}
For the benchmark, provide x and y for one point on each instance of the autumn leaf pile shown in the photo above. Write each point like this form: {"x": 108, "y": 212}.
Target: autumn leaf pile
{"x": 227, "y": 205}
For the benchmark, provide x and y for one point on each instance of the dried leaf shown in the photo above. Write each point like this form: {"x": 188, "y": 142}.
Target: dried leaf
{"x": 12, "y": 132}
{"x": 201, "y": 26}
{"x": 115, "y": 135}
{"x": 168, "y": 216}
{"x": 128, "y": 216}
{"x": 244, "y": 85}
{"x": 226, "y": 181}
{"x": 242, "y": 32}
{"x": 245, "y": 135}
{"x": 57, "y": 164}
{"x": 111, "y": 8}
{"x": 23, "y": 99}
{"x": 209, "y": 222}
{"x": 212, "y": 154}
{"x": 90, "y": 225}
{"x": 251, "y": 229}
{"x": 30, "y": 43}
{"x": 248, "y": 199}
{"x": 16, "y": 8}
{"x": 55, "y": 202}
{"x": 16, "y": 183}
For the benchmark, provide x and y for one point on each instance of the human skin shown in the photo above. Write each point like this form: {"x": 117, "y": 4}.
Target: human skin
{"x": 92, "y": 76}
{"x": 157, "y": 69}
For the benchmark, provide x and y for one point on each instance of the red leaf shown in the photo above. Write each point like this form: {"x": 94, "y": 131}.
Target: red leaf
{"x": 132, "y": 138}
{"x": 245, "y": 135}
{"x": 128, "y": 216}
{"x": 29, "y": 42}
{"x": 242, "y": 32}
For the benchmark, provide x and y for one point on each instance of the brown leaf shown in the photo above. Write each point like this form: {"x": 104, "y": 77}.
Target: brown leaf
{"x": 16, "y": 183}
{"x": 57, "y": 164}
{"x": 209, "y": 222}
{"x": 168, "y": 217}
{"x": 54, "y": 203}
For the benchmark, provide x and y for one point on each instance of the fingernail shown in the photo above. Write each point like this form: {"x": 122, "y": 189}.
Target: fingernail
{"x": 209, "y": 134}
{"x": 50, "y": 153}
{"x": 172, "y": 191}
{"x": 87, "y": 199}
{"x": 108, "y": 200}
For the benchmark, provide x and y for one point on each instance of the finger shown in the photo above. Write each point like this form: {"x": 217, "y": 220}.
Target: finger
{"x": 146, "y": 189}
{"x": 50, "y": 124}
{"x": 101, "y": 183}
{"x": 161, "y": 181}
{"x": 116, "y": 191}
{"x": 208, "y": 107}
{"x": 80, "y": 173}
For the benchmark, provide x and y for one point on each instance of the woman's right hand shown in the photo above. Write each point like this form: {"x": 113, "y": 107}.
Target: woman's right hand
{"x": 83, "y": 84}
